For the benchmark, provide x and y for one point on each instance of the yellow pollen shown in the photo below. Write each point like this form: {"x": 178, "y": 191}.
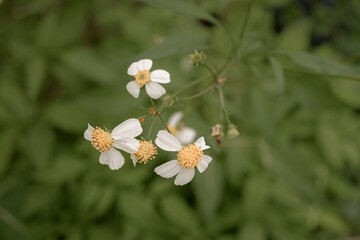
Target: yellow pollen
{"x": 142, "y": 77}
{"x": 189, "y": 156}
{"x": 101, "y": 140}
{"x": 173, "y": 130}
{"x": 146, "y": 152}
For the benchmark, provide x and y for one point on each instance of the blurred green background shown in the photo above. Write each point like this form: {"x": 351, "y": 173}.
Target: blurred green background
{"x": 293, "y": 91}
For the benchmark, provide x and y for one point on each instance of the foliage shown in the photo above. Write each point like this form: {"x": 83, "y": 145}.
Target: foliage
{"x": 292, "y": 90}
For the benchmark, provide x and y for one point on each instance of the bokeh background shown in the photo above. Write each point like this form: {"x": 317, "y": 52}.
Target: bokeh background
{"x": 293, "y": 92}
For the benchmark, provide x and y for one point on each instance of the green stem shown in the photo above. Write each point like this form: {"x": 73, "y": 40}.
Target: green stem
{"x": 159, "y": 114}
{"x": 12, "y": 221}
{"x": 151, "y": 127}
{"x": 198, "y": 94}
{"x": 211, "y": 72}
{"x": 144, "y": 116}
{"x": 243, "y": 26}
{"x": 222, "y": 105}
{"x": 196, "y": 81}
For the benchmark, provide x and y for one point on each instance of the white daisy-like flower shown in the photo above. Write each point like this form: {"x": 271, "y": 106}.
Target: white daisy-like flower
{"x": 187, "y": 158}
{"x": 141, "y": 71}
{"x": 185, "y": 134}
{"x": 121, "y": 137}
{"x": 146, "y": 152}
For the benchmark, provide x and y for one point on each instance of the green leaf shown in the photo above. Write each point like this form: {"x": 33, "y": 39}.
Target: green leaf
{"x": 140, "y": 209}
{"x": 347, "y": 91}
{"x": 8, "y": 138}
{"x": 278, "y": 74}
{"x": 13, "y": 97}
{"x": 178, "y": 212}
{"x": 91, "y": 65}
{"x": 46, "y": 31}
{"x": 40, "y": 142}
{"x": 253, "y": 231}
{"x": 312, "y": 64}
{"x": 35, "y": 71}
{"x": 183, "y": 8}
{"x": 64, "y": 168}
{"x": 96, "y": 199}
{"x": 208, "y": 188}
{"x": 67, "y": 116}
{"x": 296, "y": 36}
{"x": 178, "y": 42}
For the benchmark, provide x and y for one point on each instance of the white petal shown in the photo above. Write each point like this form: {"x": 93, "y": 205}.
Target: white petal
{"x": 201, "y": 144}
{"x": 206, "y": 159}
{"x": 203, "y": 164}
{"x": 116, "y": 160}
{"x": 133, "y": 69}
{"x": 154, "y": 90}
{"x": 168, "y": 169}
{"x": 184, "y": 176}
{"x": 175, "y": 119}
{"x": 88, "y": 132}
{"x": 186, "y": 135}
{"x": 104, "y": 158}
{"x": 160, "y": 76}
{"x": 129, "y": 145}
{"x": 133, "y": 88}
{"x": 133, "y": 158}
{"x": 145, "y": 64}
{"x": 167, "y": 142}
{"x": 127, "y": 129}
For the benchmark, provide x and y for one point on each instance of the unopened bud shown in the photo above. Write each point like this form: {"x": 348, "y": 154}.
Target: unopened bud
{"x": 198, "y": 58}
{"x": 168, "y": 101}
{"x": 232, "y": 131}
{"x": 216, "y": 131}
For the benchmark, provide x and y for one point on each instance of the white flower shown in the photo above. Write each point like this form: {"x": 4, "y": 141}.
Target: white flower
{"x": 141, "y": 71}
{"x": 121, "y": 137}
{"x": 146, "y": 152}
{"x": 185, "y": 134}
{"x": 187, "y": 158}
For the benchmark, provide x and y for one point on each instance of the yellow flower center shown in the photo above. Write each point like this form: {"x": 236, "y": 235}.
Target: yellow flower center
{"x": 101, "y": 140}
{"x": 142, "y": 77}
{"x": 189, "y": 156}
{"x": 173, "y": 130}
{"x": 146, "y": 152}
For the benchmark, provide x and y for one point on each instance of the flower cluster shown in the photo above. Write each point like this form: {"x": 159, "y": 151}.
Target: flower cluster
{"x": 178, "y": 137}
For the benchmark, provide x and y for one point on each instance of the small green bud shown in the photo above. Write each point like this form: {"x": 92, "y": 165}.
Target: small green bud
{"x": 198, "y": 58}
{"x": 168, "y": 101}
{"x": 232, "y": 131}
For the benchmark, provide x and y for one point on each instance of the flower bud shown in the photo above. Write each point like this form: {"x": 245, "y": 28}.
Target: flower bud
{"x": 168, "y": 101}
{"x": 216, "y": 131}
{"x": 232, "y": 131}
{"x": 198, "y": 58}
